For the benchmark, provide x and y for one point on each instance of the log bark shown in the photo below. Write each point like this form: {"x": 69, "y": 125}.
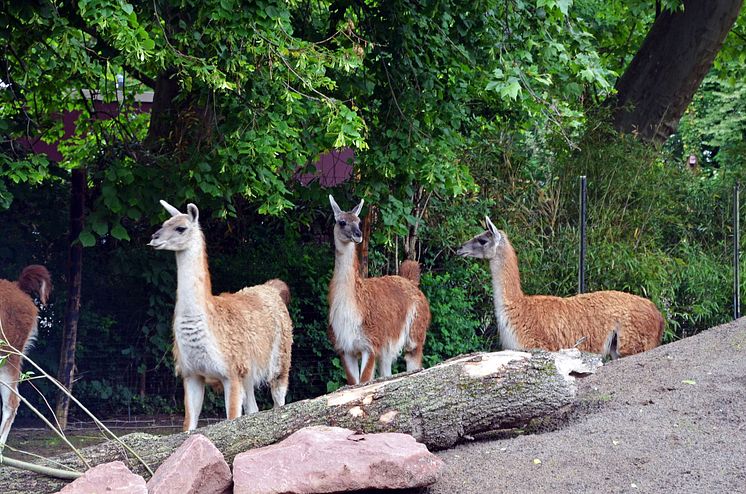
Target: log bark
{"x": 677, "y": 53}
{"x": 440, "y": 407}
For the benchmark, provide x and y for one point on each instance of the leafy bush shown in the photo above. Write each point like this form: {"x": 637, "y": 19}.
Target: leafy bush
{"x": 459, "y": 324}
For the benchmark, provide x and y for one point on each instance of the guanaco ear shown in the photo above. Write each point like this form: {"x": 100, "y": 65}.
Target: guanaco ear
{"x": 172, "y": 210}
{"x": 358, "y": 208}
{"x": 493, "y": 229}
{"x": 193, "y": 212}
{"x": 44, "y": 292}
{"x": 335, "y": 207}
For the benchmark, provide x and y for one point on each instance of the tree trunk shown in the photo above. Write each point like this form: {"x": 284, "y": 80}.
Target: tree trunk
{"x": 66, "y": 369}
{"x": 369, "y": 218}
{"x": 439, "y": 406}
{"x": 677, "y": 53}
{"x": 164, "y": 112}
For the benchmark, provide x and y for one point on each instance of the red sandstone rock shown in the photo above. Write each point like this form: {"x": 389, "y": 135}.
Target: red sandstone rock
{"x": 109, "y": 478}
{"x": 332, "y": 459}
{"x": 197, "y": 467}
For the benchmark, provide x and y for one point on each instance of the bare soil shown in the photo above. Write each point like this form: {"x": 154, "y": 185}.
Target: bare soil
{"x": 670, "y": 420}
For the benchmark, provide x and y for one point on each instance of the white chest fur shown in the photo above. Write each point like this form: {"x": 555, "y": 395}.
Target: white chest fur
{"x": 199, "y": 353}
{"x": 508, "y": 337}
{"x": 347, "y": 324}
{"x": 344, "y": 315}
{"x": 198, "y": 350}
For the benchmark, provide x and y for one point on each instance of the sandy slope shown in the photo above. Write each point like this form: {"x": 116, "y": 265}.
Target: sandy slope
{"x": 670, "y": 420}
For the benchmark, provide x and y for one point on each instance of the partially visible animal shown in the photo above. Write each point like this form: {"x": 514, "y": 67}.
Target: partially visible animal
{"x": 18, "y": 329}
{"x": 373, "y": 319}
{"x": 610, "y": 323}
{"x": 236, "y": 341}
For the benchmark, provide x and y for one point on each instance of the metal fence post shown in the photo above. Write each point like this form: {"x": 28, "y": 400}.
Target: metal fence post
{"x": 736, "y": 256}
{"x": 581, "y": 267}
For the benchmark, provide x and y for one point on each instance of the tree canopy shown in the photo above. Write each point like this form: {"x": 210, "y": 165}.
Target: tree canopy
{"x": 248, "y": 93}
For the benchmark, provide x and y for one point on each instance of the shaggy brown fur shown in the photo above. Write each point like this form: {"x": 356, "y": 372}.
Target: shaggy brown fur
{"x": 232, "y": 340}
{"x": 608, "y": 322}
{"x": 373, "y": 318}
{"x": 411, "y": 271}
{"x": 18, "y": 326}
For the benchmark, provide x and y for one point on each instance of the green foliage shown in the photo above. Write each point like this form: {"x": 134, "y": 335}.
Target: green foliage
{"x": 458, "y": 324}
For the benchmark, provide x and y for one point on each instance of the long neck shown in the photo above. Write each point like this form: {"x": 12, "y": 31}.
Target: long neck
{"x": 346, "y": 268}
{"x": 193, "y": 286}
{"x": 506, "y": 280}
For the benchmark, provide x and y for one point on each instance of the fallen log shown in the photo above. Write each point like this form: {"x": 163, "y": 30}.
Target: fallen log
{"x": 439, "y": 406}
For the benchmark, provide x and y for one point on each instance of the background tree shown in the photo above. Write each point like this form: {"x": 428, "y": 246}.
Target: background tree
{"x": 666, "y": 71}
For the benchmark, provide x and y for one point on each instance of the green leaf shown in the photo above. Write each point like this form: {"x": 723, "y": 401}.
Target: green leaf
{"x": 100, "y": 227}
{"x": 511, "y": 90}
{"x": 564, "y": 5}
{"x": 87, "y": 239}
{"x": 119, "y": 232}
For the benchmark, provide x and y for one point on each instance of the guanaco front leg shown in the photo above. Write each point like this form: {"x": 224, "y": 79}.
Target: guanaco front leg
{"x": 233, "y": 397}
{"x": 194, "y": 393}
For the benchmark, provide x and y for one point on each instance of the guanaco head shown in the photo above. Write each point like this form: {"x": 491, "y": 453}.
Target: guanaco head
{"x": 178, "y": 231}
{"x": 347, "y": 224}
{"x": 486, "y": 245}
{"x": 35, "y": 279}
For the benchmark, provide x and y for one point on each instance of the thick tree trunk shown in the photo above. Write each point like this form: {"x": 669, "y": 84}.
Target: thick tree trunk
{"x": 677, "y": 53}
{"x": 164, "y": 113}
{"x": 439, "y": 406}
{"x": 66, "y": 370}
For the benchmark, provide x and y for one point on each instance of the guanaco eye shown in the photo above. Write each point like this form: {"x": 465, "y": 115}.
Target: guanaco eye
{"x": 342, "y": 223}
{"x": 482, "y": 241}
{"x": 180, "y": 229}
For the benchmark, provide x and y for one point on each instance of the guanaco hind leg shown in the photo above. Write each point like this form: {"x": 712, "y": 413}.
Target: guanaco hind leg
{"x": 9, "y": 392}
{"x": 350, "y": 364}
{"x": 249, "y": 400}
{"x": 367, "y": 366}
{"x": 279, "y": 388}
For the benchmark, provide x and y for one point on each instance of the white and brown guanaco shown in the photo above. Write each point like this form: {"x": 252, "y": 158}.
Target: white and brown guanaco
{"x": 607, "y": 322}
{"x": 373, "y": 319}
{"x": 237, "y": 340}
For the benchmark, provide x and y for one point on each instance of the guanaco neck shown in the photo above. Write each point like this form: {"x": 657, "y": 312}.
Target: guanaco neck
{"x": 193, "y": 286}
{"x": 506, "y": 280}
{"x": 346, "y": 271}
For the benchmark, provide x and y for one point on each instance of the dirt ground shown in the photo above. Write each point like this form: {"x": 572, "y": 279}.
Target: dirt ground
{"x": 671, "y": 420}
